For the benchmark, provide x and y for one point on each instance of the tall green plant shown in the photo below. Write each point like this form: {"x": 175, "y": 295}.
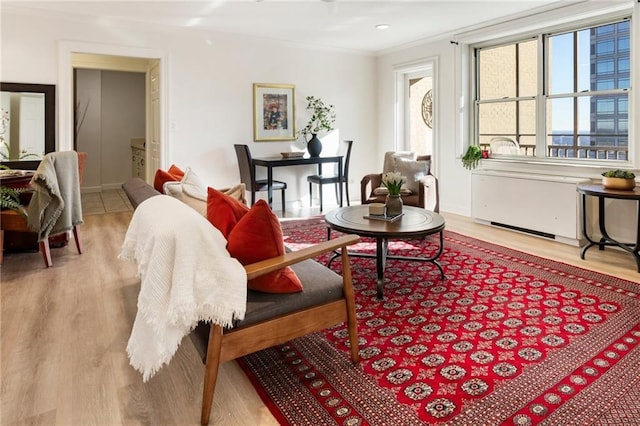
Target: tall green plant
{"x": 322, "y": 117}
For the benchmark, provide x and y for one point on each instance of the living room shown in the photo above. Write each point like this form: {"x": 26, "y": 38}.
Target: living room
{"x": 207, "y": 101}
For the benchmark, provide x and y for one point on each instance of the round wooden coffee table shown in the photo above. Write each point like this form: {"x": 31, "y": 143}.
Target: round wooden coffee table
{"x": 414, "y": 223}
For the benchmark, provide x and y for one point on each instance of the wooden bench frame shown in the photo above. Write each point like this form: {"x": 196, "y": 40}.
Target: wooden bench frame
{"x": 226, "y": 345}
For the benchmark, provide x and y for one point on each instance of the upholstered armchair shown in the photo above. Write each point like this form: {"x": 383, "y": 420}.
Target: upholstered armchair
{"x": 421, "y": 189}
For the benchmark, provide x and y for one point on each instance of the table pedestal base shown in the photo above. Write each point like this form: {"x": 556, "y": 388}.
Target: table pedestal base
{"x": 382, "y": 254}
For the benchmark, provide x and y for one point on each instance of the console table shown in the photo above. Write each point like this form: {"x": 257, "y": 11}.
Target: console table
{"x": 597, "y": 190}
{"x": 271, "y": 162}
{"x": 13, "y": 225}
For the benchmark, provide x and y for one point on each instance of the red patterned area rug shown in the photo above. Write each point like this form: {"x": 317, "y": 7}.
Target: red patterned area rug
{"x": 507, "y": 338}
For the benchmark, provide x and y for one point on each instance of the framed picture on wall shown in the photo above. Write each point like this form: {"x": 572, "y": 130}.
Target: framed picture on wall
{"x": 274, "y": 112}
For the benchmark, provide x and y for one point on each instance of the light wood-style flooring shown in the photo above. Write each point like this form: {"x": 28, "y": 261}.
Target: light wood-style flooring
{"x": 64, "y": 332}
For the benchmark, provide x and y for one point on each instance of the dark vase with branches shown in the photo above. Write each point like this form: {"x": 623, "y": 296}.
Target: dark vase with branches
{"x": 322, "y": 119}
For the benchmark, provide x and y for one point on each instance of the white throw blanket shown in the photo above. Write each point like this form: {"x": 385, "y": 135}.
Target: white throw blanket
{"x": 186, "y": 276}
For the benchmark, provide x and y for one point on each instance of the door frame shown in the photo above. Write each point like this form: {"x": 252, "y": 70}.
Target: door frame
{"x": 113, "y": 58}
{"x": 402, "y": 71}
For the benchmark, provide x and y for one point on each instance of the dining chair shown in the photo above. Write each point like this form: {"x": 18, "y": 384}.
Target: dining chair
{"x": 55, "y": 205}
{"x": 333, "y": 178}
{"x": 248, "y": 175}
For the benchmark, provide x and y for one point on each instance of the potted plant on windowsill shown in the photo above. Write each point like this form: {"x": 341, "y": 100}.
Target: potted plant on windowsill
{"x": 619, "y": 179}
{"x": 471, "y": 158}
{"x": 322, "y": 119}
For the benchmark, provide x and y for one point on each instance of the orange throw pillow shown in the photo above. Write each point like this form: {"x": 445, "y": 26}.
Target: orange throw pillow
{"x": 258, "y": 236}
{"x": 176, "y": 171}
{"x": 174, "y": 174}
{"x": 224, "y": 211}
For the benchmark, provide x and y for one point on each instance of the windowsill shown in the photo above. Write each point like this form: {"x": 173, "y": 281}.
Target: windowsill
{"x": 570, "y": 169}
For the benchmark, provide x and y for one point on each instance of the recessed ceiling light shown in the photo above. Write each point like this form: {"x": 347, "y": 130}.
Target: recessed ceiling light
{"x": 382, "y": 26}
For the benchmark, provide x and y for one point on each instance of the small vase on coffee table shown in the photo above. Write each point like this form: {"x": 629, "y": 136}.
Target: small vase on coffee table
{"x": 393, "y": 205}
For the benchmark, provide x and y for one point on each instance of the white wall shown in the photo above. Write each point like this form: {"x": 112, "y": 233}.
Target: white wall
{"x": 210, "y": 95}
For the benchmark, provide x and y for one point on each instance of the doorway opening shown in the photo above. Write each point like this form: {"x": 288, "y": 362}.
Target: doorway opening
{"x": 109, "y": 125}
{"x": 152, "y": 64}
{"x": 414, "y": 107}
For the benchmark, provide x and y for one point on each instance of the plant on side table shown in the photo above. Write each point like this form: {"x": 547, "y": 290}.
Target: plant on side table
{"x": 619, "y": 179}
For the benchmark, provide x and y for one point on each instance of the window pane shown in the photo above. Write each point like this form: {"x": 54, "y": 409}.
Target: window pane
{"x": 560, "y": 116}
{"x": 528, "y": 145}
{"x": 498, "y": 72}
{"x": 584, "y": 114}
{"x": 528, "y": 68}
{"x": 584, "y": 61}
{"x": 497, "y": 119}
{"x": 561, "y": 63}
{"x": 527, "y": 115}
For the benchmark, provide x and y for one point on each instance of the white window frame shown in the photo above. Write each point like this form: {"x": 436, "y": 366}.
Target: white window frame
{"x": 556, "y": 20}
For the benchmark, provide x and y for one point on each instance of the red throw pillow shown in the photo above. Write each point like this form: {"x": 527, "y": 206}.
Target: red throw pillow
{"x": 256, "y": 237}
{"x": 174, "y": 174}
{"x": 224, "y": 211}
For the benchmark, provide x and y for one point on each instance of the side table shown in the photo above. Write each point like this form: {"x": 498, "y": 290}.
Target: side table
{"x": 597, "y": 190}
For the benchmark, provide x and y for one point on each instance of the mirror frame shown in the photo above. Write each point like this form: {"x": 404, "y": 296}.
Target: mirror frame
{"x": 49, "y": 91}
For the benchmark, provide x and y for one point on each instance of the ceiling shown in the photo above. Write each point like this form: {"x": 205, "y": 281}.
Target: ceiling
{"x": 335, "y": 24}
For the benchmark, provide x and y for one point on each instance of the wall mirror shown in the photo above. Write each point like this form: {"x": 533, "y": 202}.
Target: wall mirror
{"x": 27, "y": 123}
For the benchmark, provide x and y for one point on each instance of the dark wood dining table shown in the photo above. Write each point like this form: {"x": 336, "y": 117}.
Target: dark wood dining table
{"x": 280, "y": 161}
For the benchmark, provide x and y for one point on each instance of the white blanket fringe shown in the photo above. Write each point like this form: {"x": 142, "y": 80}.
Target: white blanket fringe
{"x": 186, "y": 275}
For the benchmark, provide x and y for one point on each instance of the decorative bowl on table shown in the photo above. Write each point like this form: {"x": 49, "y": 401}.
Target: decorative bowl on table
{"x": 624, "y": 184}
{"x": 297, "y": 154}
{"x": 619, "y": 179}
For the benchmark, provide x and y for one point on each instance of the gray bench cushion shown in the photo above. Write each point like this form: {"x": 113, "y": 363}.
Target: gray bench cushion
{"x": 320, "y": 285}
{"x": 138, "y": 190}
